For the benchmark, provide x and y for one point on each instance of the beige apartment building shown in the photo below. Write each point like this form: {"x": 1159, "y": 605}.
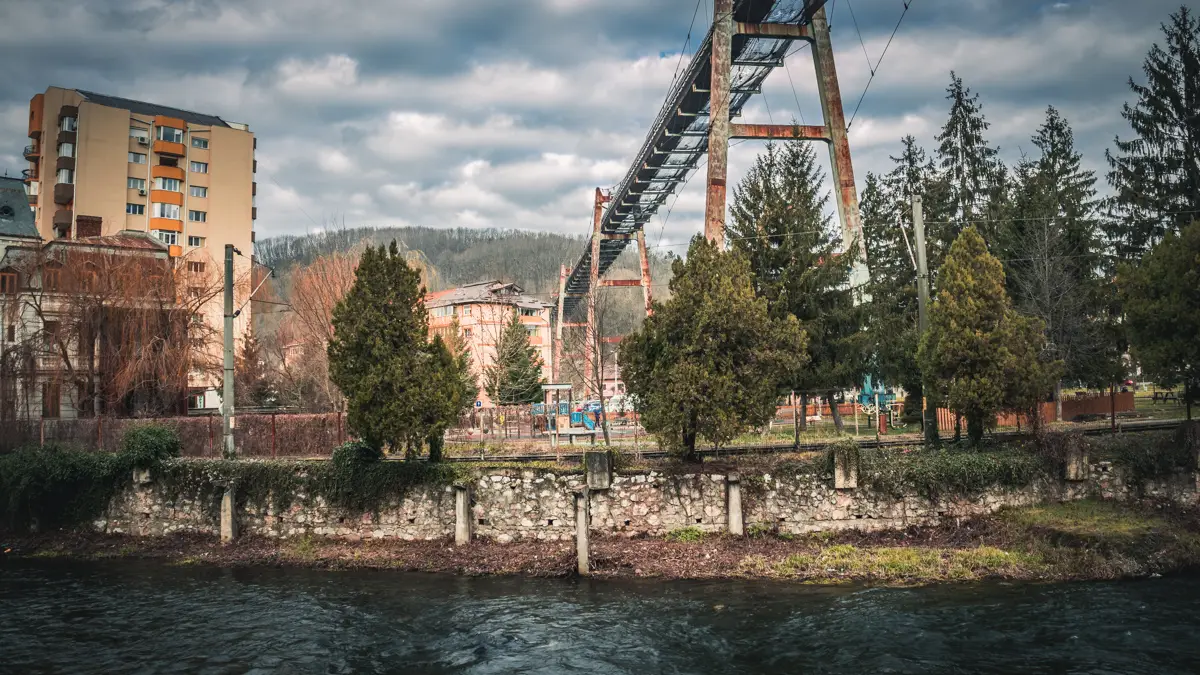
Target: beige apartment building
{"x": 99, "y": 165}
{"x": 483, "y": 310}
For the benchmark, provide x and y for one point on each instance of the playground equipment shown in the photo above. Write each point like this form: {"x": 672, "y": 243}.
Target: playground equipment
{"x": 564, "y": 420}
{"x": 874, "y": 398}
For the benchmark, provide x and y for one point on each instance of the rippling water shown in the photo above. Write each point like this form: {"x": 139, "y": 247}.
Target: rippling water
{"x": 150, "y": 618}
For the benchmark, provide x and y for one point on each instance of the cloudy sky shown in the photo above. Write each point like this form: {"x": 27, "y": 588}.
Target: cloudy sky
{"x": 507, "y": 113}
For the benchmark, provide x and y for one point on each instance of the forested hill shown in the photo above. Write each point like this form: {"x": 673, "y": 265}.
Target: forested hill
{"x": 461, "y": 256}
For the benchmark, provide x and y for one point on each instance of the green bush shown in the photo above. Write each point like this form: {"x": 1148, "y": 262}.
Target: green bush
{"x": 686, "y": 535}
{"x": 146, "y": 446}
{"x": 1149, "y": 456}
{"x": 52, "y": 487}
{"x": 932, "y": 473}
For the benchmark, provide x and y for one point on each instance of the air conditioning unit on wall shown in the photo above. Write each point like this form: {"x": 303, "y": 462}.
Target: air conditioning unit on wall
{"x": 143, "y": 141}
{"x": 142, "y": 192}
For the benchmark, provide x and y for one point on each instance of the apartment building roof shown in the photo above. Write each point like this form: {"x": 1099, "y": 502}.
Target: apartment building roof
{"x": 127, "y": 239}
{"x": 16, "y": 218}
{"x": 143, "y": 108}
{"x": 485, "y": 292}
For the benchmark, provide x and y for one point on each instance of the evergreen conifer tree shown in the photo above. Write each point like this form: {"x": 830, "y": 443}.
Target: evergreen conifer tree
{"x": 778, "y": 221}
{"x": 516, "y": 377}
{"x": 971, "y": 170}
{"x": 1156, "y": 173}
{"x": 979, "y": 355}
{"x": 378, "y": 353}
{"x": 709, "y": 361}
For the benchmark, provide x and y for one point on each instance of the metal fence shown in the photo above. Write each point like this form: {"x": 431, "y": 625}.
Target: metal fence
{"x": 255, "y": 434}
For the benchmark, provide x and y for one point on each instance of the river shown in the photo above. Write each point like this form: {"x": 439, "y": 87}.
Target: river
{"x": 109, "y": 617}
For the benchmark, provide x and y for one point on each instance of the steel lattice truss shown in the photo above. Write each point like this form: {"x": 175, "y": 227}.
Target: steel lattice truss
{"x": 679, "y": 135}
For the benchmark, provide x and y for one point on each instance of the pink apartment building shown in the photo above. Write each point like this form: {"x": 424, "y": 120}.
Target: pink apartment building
{"x": 483, "y": 309}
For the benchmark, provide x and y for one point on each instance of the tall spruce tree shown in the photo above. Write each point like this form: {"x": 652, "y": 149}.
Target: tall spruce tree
{"x": 378, "y": 353}
{"x": 778, "y": 221}
{"x": 979, "y": 355}
{"x": 971, "y": 169}
{"x": 708, "y": 362}
{"x": 516, "y": 376}
{"x": 1052, "y": 251}
{"x": 1156, "y": 174}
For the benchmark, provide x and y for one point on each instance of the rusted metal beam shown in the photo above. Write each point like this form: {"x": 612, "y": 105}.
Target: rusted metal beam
{"x": 787, "y": 31}
{"x": 839, "y": 145}
{"x": 718, "y": 128}
{"x": 620, "y": 283}
{"x": 620, "y": 237}
{"x": 644, "y": 259}
{"x": 597, "y": 219}
{"x": 808, "y": 132}
{"x": 574, "y": 325}
{"x": 612, "y": 339}
{"x": 556, "y": 367}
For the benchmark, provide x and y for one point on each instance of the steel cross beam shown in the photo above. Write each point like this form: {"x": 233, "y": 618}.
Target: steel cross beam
{"x": 759, "y": 34}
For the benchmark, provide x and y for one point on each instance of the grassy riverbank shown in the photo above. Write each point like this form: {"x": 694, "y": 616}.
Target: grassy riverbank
{"x": 1086, "y": 540}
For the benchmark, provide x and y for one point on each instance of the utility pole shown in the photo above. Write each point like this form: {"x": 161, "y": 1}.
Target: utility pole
{"x": 928, "y": 412}
{"x": 227, "y": 395}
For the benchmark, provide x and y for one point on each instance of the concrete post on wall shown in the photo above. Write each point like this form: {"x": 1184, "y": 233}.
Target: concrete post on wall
{"x": 582, "y": 522}
{"x": 733, "y": 507}
{"x": 462, "y": 515}
{"x": 845, "y": 467}
{"x": 1076, "y": 463}
{"x": 229, "y": 530}
{"x": 599, "y": 469}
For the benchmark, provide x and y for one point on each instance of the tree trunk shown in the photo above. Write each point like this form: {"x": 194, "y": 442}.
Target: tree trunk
{"x": 1057, "y": 402}
{"x": 803, "y": 412}
{"x": 1187, "y": 399}
{"x": 957, "y": 427}
{"x": 833, "y": 410}
{"x": 689, "y": 446}
{"x": 436, "y": 441}
{"x": 1112, "y": 404}
{"x": 795, "y": 421}
{"x": 974, "y": 429}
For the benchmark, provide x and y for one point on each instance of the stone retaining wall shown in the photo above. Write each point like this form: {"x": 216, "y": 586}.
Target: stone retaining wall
{"x": 537, "y": 505}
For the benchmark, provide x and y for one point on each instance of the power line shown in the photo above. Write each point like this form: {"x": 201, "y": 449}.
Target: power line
{"x": 860, "y": 37}
{"x": 907, "y": 4}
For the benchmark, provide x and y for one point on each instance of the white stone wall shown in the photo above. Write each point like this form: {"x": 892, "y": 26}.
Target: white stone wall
{"x": 537, "y": 505}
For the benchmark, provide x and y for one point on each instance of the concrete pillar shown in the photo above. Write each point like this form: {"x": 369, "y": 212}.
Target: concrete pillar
{"x": 229, "y": 529}
{"x": 733, "y": 492}
{"x": 1077, "y": 463}
{"x": 845, "y": 467}
{"x": 582, "y": 518}
{"x": 462, "y": 515}
{"x": 599, "y": 469}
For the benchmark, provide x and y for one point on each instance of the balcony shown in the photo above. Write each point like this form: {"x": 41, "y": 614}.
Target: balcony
{"x": 170, "y": 149}
{"x": 63, "y": 194}
{"x": 29, "y": 175}
{"x": 65, "y": 163}
{"x": 68, "y": 111}
{"x": 32, "y": 152}
{"x": 62, "y": 219}
{"x": 67, "y": 137}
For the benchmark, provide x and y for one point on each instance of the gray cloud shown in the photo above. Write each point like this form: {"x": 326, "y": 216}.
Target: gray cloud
{"x": 508, "y": 113}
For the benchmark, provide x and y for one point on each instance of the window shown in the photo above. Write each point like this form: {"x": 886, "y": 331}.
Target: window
{"x": 169, "y": 238}
{"x": 448, "y": 310}
{"x": 532, "y": 330}
{"x": 194, "y": 266}
{"x": 66, "y": 149}
{"x": 8, "y": 283}
{"x": 136, "y": 183}
{"x": 199, "y": 191}
{"x": 166, "y": 211}
{"x": 170, "y": 134}
{"x": 196, "y": 292}
{"x": 135, "y": 209}
{"x": 466, "y": 310}
{"x": 168, "y": 161}
{"x": 12, "y": 332}
{"x": 51, "y": 278}
{"x": 199, "y": 167}
{"x": 66, "y": 176}
{"x": 51, "y": 400}
{"x": 198, "y": 216}
{"x": 525, "y": 311}
{"x": 139, "y": 133}
{"x": 466, "y": 332}
{"x": 198, "y": 142}
{"x": 137, "y": 158}
{"x": 69, "y": 124}
{"x": 171, "y": 184}
{"x": 196, "y": 401}
{"x": 196, "y": 242}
